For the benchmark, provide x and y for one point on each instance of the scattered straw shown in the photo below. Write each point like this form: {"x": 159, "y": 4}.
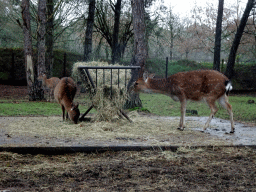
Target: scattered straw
{"x": 143, "y": 131}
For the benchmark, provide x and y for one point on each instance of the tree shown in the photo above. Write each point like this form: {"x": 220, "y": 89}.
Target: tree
{"x": 140, "y": 51}
{"x": 49, "y": 37}
{"x": 174, "y": 32}
{"x": 115, "y": 37}
{"x": 30, "y": 75}
{"x": 41, "y": 46}
{"x": 89, "y": 30}
{"x": 10, "y": 32}
{"x": 232, "y": 55}
{"x": 217, "y": 48}
{"x": 116, "y": 49}
{"x": 41, "y": 37}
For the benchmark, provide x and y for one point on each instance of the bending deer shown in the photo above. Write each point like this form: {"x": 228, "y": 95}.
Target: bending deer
{"x": 207, "y": 85}
{"x": 64, "y": 94}
{"x": 49, "y": 84}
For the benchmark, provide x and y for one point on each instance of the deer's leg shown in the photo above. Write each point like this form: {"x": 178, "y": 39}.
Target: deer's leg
{"x": 51, "y": 95}
{"x": 67, "y": 116}
{"x": 225, "y": 104}
{"x": 214, "y": 109}
{"x": 48, "y": 94}
{"x": 183, "y": 104}
{"x": 63, "y": 112}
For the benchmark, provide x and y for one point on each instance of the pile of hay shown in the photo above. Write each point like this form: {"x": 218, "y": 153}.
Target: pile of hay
{"x": 106, "y": 102}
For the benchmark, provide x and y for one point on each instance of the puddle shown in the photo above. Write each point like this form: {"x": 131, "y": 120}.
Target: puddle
{"x": 244, "y": 134}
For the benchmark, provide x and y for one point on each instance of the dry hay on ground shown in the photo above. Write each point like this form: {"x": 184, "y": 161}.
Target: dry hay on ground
{"x": 203, "y": 169}
{"x": 143, "y": 131}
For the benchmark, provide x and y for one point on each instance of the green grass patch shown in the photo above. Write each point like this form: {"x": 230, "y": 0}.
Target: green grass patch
{"x": 37, "y": 108}
{"x": 164, "y": 106}
{"x": 154, "y": 103}
{"x": 29, "y": 108}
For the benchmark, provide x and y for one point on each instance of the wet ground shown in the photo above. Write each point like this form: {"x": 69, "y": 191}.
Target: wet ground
{"x": 245, "y": 134}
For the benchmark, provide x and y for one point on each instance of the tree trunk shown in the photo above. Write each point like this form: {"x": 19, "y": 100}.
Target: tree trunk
{"x": 89, "y": 31}
{"x": 140, "y": 56}
{"x": 49, "y": 38}
{"x": 171, "y": 25}
{"x": 116, "y": 48}
{"x": 171, "y": 47}
{"x": 232, "y": 55}
{"x": 41, "y": 36}
{"x": 217, "y": 48}
{"x": 41, "y": 45}
{"x": 29, "y": 65}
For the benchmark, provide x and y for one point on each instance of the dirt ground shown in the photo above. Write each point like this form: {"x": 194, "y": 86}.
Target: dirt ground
{"x": 202, "y": 169}
{"x": 213, "y": 169}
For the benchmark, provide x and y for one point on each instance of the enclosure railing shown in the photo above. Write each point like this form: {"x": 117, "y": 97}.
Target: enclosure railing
{"x": 86, "y": 76}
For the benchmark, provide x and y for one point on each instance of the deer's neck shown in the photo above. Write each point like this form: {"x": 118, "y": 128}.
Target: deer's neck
{"x": 67, "y": 103}
{"x": 158, "y": 85}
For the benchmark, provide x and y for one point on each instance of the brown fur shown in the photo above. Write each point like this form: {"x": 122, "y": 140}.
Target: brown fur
{"x": 49, "y": 84}
{"x": 208, "y": 85}
{"x": 64, "y": 94}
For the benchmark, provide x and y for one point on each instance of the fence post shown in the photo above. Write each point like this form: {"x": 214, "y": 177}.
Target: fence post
{"x": 166, "y": 70}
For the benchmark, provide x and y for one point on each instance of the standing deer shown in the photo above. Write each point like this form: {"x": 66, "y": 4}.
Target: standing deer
{"x": 207, "y": 85}
{"x": 49, "y": 84}
{"x": 64, "y": 94}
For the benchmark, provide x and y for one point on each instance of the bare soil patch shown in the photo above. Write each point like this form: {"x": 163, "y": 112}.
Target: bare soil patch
{"x": 13, "y": 92}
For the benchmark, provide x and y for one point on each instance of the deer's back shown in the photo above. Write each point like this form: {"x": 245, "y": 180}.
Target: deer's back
{"x": 65, "y": 89}
{"x": 53, "y": 81}
{"x": 198, "y": 84}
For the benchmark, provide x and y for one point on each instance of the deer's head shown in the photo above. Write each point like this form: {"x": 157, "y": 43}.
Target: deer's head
{"x": 142, "y": 84}
{"x": 74, "y": 113}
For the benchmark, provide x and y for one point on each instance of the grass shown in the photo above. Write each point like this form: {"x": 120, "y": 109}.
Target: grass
{"x": 24, "y": 108}
{"x": 155, "y": 103}
{"x": 164, "y": 106}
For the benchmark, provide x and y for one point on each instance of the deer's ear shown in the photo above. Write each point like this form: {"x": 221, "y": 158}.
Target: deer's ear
{"x": 145, "y": 76}
{"x": 75, "y": 107}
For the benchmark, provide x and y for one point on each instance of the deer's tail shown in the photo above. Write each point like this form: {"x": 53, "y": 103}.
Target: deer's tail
{"x": 228, "y": 86}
